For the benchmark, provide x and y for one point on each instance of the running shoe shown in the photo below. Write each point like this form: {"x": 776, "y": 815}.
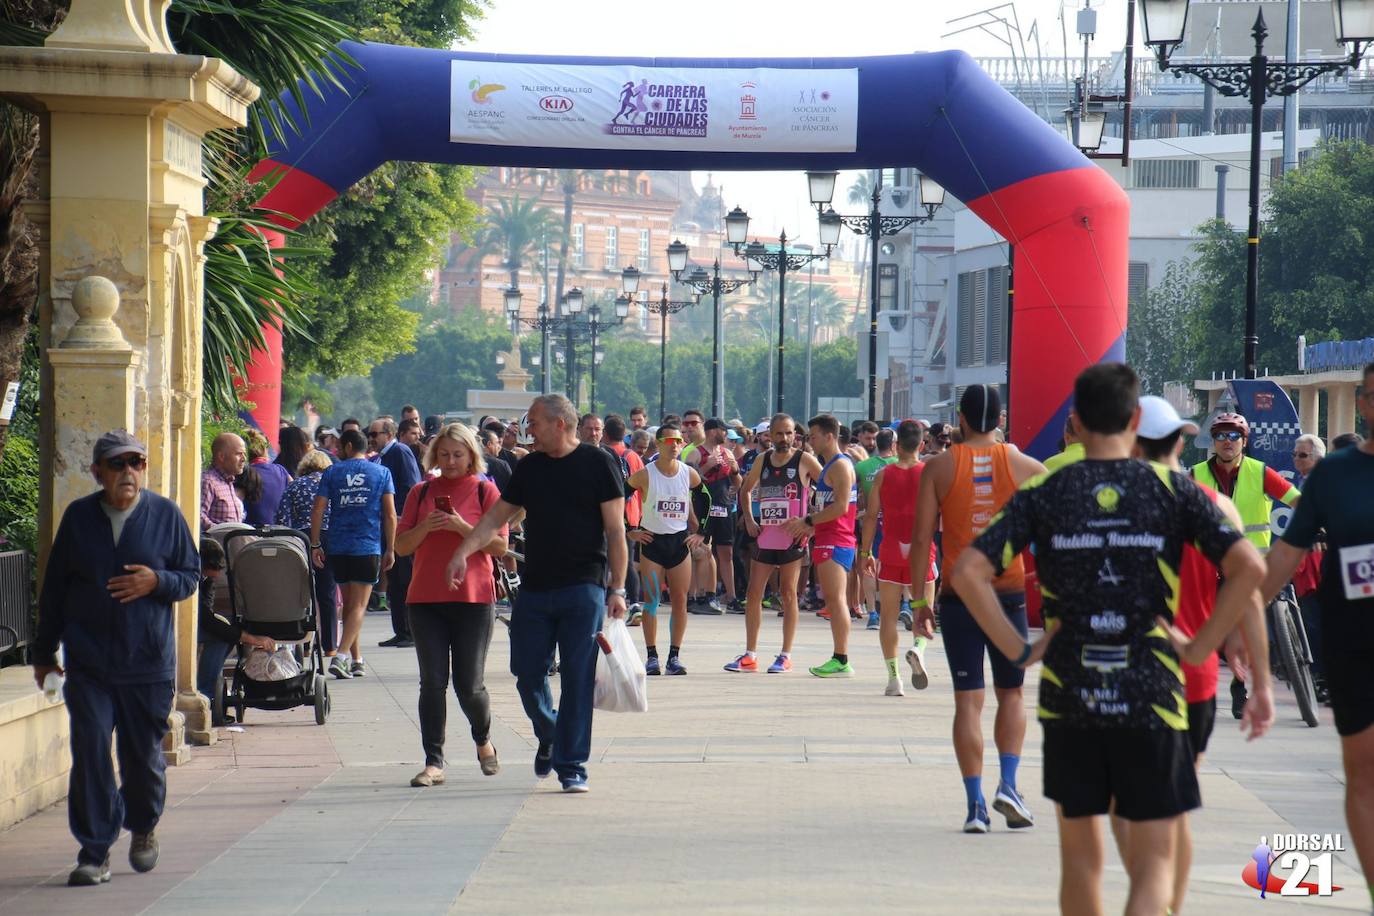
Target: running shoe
{"x": 894, "y": 688}
{"x": 338, "y": 667}
{"x": 636, "y": 613}
{"x": 674, "y": 666}
{"x": 357, "y": 669}
{"x": 575, "y": 785}
{"x": 978, "y": 820}
{"x": 770, "y": 603}
{"x": 743, "y": 663}
{"x": 1009, "y": 804}
{"x": 873, "y": 621}
{"x": 703, "y": 605}
{"x": 904, "y": 615}
{"x": 781, "y": 665}
{"x": 823, "y": 613}
{"x": 916, "y": 659}
{"x": 856, "y": 613}
{"x": 543, "y": 759}
{"x": 833, "y": 667}
{"x": 736, "y": 606}
{"x": 651, "y": 666}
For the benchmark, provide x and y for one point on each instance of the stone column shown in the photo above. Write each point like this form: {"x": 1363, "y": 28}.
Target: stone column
{"x": 1309, "y": 396}
{"x": 122, "y": 176}
{"x": 1340, "y": 409}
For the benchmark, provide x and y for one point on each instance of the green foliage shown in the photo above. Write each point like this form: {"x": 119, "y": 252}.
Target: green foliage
{"x": 383, "y": 235}
{"x": 450, "y": 357}
{"x": 422, "y": 23}
{"x": 352, "y": 396}
{"x": 1154, "y": 329}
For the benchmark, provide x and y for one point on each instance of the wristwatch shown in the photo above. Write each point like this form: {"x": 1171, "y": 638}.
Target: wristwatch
{"x": 618, "y": 592}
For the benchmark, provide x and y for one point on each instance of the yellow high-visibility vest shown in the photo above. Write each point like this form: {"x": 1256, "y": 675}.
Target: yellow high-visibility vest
{"x": 1249, "y": 497}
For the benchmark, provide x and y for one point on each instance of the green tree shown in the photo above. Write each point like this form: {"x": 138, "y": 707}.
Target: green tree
{"x": 1153, "y": 341}
{"x": 519, "y": 230}
{"x": 450, "y": 357}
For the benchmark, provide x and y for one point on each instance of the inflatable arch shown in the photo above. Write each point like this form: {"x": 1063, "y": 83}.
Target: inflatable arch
{"x": 1065, "y": 218}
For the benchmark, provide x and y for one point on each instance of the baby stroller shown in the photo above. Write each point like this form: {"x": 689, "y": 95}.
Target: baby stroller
{"x": 272, "y": 593}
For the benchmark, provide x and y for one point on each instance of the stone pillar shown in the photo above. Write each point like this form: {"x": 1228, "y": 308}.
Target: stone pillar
{"x": 1308, "y": 398}
{"x": 1340, "y": 409}
{"x": 123, "y": 117}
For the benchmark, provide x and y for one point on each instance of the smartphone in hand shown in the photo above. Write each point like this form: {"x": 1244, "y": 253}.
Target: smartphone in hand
{"x": 443, "y": 504}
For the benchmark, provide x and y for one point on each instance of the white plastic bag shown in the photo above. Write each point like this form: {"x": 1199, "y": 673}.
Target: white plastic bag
{"x": 261, "y": 665}
{"x": 620, "y": 681}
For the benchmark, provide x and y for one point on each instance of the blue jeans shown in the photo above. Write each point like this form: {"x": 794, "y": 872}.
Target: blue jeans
{"x": 568, "y": 618}
{"x": 213, "y": 652}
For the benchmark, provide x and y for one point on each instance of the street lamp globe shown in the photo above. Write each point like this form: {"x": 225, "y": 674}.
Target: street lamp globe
{"x": 599, "y": 355}
{"x": 821, "y": 185}
{"x": 677, "y": 257}
{"x": 629, "y": 280}
{"x": 1354, "y": 20}
{"x": 573, "y": 299}
{"x": 512, "y": 300}
{"x": 830, "y": 227}
{"x": 753, "y": 256}
{"x": 932, "y": 193}
{"x": 622, "y": 306}
{"x": 736, "y": 226}
{"x": 1164, "y": 22}
{"x": 698, "y": 276}
{"x": 536, "y": 359}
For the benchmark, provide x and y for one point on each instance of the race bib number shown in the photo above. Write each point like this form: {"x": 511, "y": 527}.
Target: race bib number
{"x": 720, "y": 511}
{"x": 773, "y": 511}
{"x": 673, "y": 510}
{"x": 1357, "y": 571}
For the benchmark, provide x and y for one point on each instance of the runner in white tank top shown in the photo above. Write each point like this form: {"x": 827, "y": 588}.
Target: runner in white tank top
{"x": 668, "y": 533}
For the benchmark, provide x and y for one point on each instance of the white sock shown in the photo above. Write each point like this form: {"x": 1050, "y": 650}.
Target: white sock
{"x": 750, "y": 654}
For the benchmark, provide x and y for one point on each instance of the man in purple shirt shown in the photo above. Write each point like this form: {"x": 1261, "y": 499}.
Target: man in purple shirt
{"x": 218, "y": 501}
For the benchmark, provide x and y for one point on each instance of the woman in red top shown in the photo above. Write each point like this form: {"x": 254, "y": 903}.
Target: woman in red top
{"x": 447, "y": 623}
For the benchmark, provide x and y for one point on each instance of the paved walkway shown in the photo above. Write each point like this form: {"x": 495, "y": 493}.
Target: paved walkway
{"x": 754, "y": 793}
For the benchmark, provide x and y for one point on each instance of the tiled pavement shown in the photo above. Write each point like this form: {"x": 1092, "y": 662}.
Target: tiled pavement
{"x": 753, "y": 793}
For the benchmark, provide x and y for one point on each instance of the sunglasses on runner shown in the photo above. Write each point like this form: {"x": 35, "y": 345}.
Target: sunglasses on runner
{"x": 1302, "y": 455}
{"x": 1229, "y": 435}
{"x": 120, "y": 463}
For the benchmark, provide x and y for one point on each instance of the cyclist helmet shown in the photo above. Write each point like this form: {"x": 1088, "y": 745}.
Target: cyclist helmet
{"x": 1233, "y": 420}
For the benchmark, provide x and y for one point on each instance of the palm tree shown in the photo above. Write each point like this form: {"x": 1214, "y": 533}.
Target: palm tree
{"x": 570, "y": 181}
{"x": 517, "y": 228}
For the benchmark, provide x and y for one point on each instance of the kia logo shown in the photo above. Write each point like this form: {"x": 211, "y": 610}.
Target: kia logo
{"x": 556, "y": 103}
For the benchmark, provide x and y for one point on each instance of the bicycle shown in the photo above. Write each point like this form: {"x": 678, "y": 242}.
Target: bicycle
{"x": 1291, "y": 653}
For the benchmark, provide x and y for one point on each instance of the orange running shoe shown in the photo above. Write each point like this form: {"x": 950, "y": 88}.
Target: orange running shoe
{"x": 743, "y": 663}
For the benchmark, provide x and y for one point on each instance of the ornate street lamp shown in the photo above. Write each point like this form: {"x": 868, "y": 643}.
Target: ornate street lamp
{"x": 705, "y": 283}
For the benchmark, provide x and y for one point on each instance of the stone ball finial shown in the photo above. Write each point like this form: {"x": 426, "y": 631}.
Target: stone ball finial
{"x": 95, "y": 300}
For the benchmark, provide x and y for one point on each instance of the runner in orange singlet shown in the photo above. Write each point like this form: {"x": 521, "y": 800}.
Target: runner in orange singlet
{"x": 965, "y": 487}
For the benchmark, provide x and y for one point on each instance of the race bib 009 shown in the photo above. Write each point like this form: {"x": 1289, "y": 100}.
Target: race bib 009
{"x": 672, "y": 509}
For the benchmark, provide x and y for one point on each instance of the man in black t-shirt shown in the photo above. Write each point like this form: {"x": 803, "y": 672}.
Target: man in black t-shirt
{"x": 574, "y": 529}
{"x": 1108, "y": 534}
{"x": 497, "y": 469}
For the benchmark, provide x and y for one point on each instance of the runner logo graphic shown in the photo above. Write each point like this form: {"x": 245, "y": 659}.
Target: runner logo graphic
{"x": 1296, "y": 856}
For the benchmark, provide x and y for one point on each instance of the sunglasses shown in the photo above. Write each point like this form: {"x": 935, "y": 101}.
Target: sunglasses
{"x": 1303, "y": 455}
{"x": 373, "y": 433}
{"x": 126, "y": 461}
{"x": 1230, "y": 435}
{"x": 691, "y": 422}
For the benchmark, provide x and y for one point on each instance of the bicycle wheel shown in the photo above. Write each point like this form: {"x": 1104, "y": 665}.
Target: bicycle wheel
{"x": 1299, "y": 671}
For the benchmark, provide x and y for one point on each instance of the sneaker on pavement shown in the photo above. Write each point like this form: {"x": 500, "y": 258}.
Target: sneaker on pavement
{"x": 743, "y": 663}
{"x": 358, "y": 669}
{"x": 856, "y": 613}
{"x": 894, "y": 688}
{"x": 338, "y": 667}
{"x": 651, "y": 666}
{"x": 576, "y": 785}
{"x": 143, "y": 851}
{"x": 781, "y": 665}
{"x": 674, "y": 666}
{"x": 1010, "y": 805}
{"x": 823, "y": 613}
{"x": 88, "y": 875}
{"x": 919, "y": 678}
{"x": 736, "y": 606}
{"x": 703, "y": 605}
{"x": 389, "y": 643}
{"x": 904, "y": 615}
{"x": 978, "y": 820}
{"x": 833, "y": 667}
{"x": 636, "y": 613}
{"x": 769, "y": 603}
{"x": 543, "y": 760}
{"x": 873, "y": 621}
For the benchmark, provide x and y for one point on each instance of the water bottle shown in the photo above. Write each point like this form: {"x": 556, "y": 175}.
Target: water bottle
{"x": 52, "y": 686}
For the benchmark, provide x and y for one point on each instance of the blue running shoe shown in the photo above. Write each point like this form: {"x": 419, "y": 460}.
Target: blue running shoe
{"x": 873, "y": 620}
{"x": 904, "y": 615}
{"x": 654, "y": 594}
{"x": 1009, "y": 803}
{"x": 543, "y": 760}
{"x": 978, "y": 820}
{"x": 674, "y": 666}
{"x": 575, "y": 784}
{"x": 781, "y": 665}
{"x": 651, "y": 666}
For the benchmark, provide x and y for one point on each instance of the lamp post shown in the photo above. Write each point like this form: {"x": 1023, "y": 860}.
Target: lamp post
{"x": 758, "y": 259}
{"x": 711, "y": 283}
{"x": 822, "y": 188}
{"x": 664, "y": 307}
{"x": 1256, "y": 80}
{"x": 594, "y": 328}
{"x": 545, "y": 322}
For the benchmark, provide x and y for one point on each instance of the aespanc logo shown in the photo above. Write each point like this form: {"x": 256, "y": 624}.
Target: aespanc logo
{"x": 1295, "y": 856}
{"x": 481, "y": 91}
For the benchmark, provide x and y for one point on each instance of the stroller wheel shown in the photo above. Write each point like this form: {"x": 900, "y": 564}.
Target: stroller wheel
{"x": 321, "y": 699}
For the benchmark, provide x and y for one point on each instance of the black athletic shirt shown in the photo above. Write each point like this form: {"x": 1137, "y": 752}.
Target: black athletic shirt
{"x": 1108, "y": 538}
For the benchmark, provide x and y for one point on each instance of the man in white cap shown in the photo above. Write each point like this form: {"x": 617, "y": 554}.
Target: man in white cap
{"x": 113, "y": 617}
{"x": 1159, "y": 439}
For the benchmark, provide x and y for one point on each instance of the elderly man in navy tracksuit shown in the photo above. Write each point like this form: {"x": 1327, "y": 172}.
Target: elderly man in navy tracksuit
{"x": 121, "y": 558}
